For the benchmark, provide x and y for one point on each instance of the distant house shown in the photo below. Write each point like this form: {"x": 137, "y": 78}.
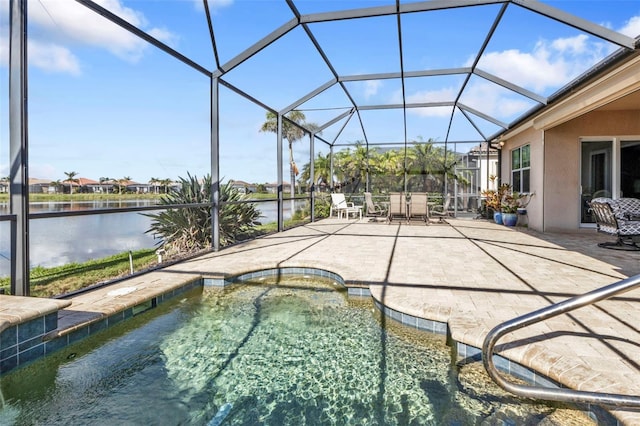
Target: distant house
{"x": 87, "y": 185}
{"x": 242, "y": 186}
{"x": 41, "y": 186}
{"x": 485, "y": 163}
{"x": 272, "y": 188}
{"x": 138, "y": 188}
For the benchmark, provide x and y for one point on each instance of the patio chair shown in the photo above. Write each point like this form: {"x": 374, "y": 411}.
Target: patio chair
{"x": 442, "y": 211}
{"x": 397, "y": 206}
{"x": 340, "y": 205}
{"x": 374, "y": 210}
{"x": 418, "y": 207}
{"x": 619, "y": 217}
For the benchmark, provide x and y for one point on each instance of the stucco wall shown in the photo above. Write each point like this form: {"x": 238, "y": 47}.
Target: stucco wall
{"x": 562, "y": 162}
{"x": 535, "y": 139}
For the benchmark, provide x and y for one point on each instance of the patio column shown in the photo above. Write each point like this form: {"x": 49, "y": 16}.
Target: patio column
{"x": 18, "y": 144}
{"x": 312, "y": 177}
{"x": 280, "y": 183}
{"x": 331, "y": 188}
{"x": 215, "y": 164}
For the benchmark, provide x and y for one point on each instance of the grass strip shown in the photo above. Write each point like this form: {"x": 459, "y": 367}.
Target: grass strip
{"x": 54, "y": 281}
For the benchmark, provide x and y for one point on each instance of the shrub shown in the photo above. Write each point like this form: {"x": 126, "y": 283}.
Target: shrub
{"x": 188, "y": 229}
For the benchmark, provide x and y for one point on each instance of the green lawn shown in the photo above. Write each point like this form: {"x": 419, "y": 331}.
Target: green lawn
{"x": 47, "y": 282}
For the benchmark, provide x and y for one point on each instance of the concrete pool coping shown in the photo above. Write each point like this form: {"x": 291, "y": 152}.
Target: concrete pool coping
{"x": 470, "y": 275}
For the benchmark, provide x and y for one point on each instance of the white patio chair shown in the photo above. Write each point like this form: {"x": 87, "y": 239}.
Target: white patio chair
{"x": 343, "y": 208}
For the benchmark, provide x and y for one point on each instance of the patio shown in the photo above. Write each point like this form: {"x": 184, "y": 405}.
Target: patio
{"x": 417, "y": 270}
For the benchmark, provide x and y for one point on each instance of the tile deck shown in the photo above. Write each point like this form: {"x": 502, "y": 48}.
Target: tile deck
{"x": 469, "y": 274}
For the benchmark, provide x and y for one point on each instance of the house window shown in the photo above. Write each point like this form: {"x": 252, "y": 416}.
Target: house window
{"x": 521, "y": 168}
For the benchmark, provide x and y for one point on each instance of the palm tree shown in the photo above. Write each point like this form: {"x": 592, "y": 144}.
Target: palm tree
{"x": 423, "y": 161}
{"x": 153, "y": 182}
{"x": 291, "y": 133}
{"x": 71, "y": 179}
{"x": 123, "y": 183}
{"x": 104, "y": 180}
{"x": 321, "y": 170}
{"x": 165, "y": 183}
{"x": 57, "y": 185}
{"x": 390, "y": 164}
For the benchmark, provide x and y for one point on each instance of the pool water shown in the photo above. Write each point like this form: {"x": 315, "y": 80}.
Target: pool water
{"x": 292, "y": 352}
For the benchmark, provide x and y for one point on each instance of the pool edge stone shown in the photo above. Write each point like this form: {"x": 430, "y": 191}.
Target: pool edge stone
{"x": 463, "y": 353}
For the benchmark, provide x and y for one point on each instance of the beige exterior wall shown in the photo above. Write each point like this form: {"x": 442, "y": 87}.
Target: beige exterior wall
{"x": 562, "y": 161}
{"x": 535, "y": 138}
{"x": 555, "y": 164}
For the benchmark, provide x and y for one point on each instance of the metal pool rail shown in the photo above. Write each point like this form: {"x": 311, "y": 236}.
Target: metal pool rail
{"x": 552, "y": 394}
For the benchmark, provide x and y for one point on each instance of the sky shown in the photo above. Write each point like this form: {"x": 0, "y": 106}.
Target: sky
{"x": 104, "y": 103}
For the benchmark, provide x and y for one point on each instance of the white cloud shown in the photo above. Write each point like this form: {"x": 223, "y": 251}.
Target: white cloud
{"x": 632, "y": 27}
{"x": 70, "y": 23}
{"x": 52, "y": 58}
{"x": 446, "y": 94}
{"x": 371, "y": 88}
{"x": 220, "y": 3}
{"x": 4, "y": 51}
{"x": 442, "y": 95}
{"x": 164, "y": 36}
{"x": 571, "y": 45}
{"x": 549, "y": 66}
{"x": 491, "y": 100}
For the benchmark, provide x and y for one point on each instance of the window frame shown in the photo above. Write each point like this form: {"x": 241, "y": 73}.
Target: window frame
{"x": 522, "y": 171}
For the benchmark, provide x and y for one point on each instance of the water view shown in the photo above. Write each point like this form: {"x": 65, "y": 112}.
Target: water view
{"x": 61, "y": 240}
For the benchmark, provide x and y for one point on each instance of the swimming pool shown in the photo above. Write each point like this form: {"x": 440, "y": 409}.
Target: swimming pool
{"x": 284, "y": 350}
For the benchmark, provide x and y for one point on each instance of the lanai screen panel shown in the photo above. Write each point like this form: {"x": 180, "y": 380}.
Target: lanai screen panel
{"x": 495, "y": 61}
{"x": 246, "y": 153}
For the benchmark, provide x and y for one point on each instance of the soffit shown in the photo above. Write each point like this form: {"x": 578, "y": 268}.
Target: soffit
{"x": 615, "y": 90}
{"x": 629, "y": 102}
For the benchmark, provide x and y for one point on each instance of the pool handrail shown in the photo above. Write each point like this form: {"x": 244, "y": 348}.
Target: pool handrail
{"x": 558, "y": 394}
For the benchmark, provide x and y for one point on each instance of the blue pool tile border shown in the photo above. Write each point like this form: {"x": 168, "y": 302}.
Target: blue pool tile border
{"x": 464, "y": 353}
{"x": 26, "y": 342}
{"x": 264, "y": 273}
{"x": 431, "y": 326}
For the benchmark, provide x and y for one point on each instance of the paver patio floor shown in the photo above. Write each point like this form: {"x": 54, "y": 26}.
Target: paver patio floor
{"x": 470, "y": 274}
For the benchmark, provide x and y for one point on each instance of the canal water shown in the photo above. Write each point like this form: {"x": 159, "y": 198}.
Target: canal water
{"x": 61, "y": 240}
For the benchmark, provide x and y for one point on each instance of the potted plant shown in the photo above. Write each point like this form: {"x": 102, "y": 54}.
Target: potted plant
{"x": 523, "y": 202}
{"x": 510, "y": 204}
{"x": 514, "y": 204}
{"x": 494, "y": 199}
